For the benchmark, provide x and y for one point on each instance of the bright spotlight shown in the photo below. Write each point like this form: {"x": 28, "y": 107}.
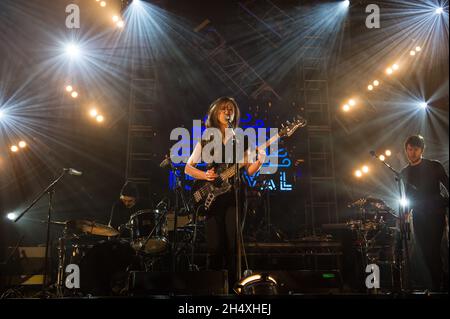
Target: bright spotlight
{"x": 418, "y": 49}
{"x": 370, "y": 87}
{"x": 69, "y": 88}
{"x": 358, "y": 173}
{"x": 346, "y": 108}
{"x": 14, "y": 148}
{"x": 424, "y": 105}
{"x": 389, "y": 71}
{"x": 93, "y": 113}
{"x": 100, "y": 118}
{"x": 11, "y": 216}
{"x": 376, "y": 83}
{"x": 2, "y": 114}
{"x": 120, "y": 24}
{"x": 72, "y": 50}
{"x": 352, "y": 102}
{"x": 381, "y": 158}
{"x": 346, "y": 3}
{"x": 365, "y": 169}
{"x": 439, "y": 10}
{"x": 74, "y": 94}
{"x": 412, "y": 53}
{"x": 103, "y": 4}
{"x": 115, "y": 18}
{"x": 22, "y": 144}
{"x": 404, "y": 202}
{"x": 395, "y": 67}
{"x": 388, "y": 153}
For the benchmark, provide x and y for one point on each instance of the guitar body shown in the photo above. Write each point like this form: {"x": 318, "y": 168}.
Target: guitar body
{"x": 205, "y": 193}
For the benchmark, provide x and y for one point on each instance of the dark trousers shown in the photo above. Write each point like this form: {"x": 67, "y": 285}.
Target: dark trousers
{"x": 428, "y": 231}
{"x": 221, "y": 240}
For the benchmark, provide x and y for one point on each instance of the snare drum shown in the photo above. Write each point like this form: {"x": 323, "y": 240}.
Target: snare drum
{"x": 149, "y": 231}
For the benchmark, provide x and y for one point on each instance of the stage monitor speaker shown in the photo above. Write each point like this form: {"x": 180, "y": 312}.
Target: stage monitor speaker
{"x": 24, "y": 267}
{"x": 178, "y": 283}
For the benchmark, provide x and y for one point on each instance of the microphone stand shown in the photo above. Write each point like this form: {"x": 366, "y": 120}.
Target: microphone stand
{"x": 50, "y": 190}
{"x": 237, "y": 185}
{"x": 402, "y": 244}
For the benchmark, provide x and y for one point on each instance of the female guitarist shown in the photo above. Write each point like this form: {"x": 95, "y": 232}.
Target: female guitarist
{"x": 220, "y": 220}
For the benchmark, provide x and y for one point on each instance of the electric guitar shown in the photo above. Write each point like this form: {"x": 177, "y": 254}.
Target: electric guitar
{"x": 204, "y": 193}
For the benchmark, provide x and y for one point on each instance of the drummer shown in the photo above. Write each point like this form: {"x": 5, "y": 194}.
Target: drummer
{"x": 129, "y": 203}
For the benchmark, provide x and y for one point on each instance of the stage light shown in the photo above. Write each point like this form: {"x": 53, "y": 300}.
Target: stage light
{"x": 395, "y": 67}
{"x": 11, "y": 216}
{"x": 115, "y": 18}
{"x": 103, "y": 4}
{"x": 418, "y": 49}
{"x": 346, "y": 3}
{"x": 439, "y": 10}
{"x": 358, "y": 173}
{"x": 423, "y": 105}
{"x": 370, "y": 87}
{"x": 14, "y": 148}
{"x": 388, "y": 153}
{"x": 376, "y": 83}
{"x": 404, "y": 202}
{"x": 74, "y": 94}
{"x": 69, "y": 88}
{"x": 72, "y": 50}
{"x": 389, "y": 71}
{"x": 100, "y": 118}
{"x": 352, "y": 102}
{"x": 365, "y": 169}
{"x": 93, "y": 113}
{"x": 381, "y": 158}
{"x": 2, "y": 114}
{"x": 257, "y": 284}
{"x": 22, "y": 144}
{"x": 346, "y": 108}
{"x": 120, "y": 24}
{"x": 412, "y": 53}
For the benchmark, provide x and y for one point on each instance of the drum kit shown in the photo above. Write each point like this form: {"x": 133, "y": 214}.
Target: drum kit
{"x": 105, "y": 258}
{"x": 374, "y": 224}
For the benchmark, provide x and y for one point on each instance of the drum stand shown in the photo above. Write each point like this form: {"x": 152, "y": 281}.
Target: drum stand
{"x": 179, "y": 196}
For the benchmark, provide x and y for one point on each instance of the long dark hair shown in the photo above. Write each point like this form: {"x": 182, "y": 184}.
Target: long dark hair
{"x": 213, "y": 111}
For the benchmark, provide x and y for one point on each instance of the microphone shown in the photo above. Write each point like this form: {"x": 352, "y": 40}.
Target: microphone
{"x": 227, "y": 117}
{"x": 165, "y": 163}
{"x": 73, "y": 172}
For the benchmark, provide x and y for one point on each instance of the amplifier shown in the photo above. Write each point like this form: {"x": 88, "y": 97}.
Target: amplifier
{"x": 178, "y": 283}
{"x": 307, "y": 281}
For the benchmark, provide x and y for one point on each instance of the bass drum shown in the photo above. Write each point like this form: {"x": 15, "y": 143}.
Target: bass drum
{"x": 104, "y": 268}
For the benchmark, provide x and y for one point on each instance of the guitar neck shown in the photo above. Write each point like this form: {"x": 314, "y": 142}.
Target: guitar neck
{"x": 231, "y": 171}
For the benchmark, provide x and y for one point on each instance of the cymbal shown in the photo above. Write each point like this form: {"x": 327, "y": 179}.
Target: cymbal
{"x": 92, "y": 228}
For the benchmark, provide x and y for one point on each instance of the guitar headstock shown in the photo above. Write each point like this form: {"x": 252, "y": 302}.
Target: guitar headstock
{"x": 288, "y": 128}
